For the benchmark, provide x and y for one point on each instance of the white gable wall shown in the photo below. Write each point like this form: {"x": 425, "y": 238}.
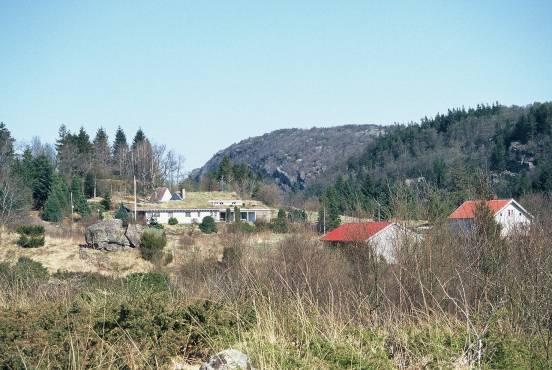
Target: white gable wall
{"x": 166, "y": 196}
{"x": 388, "y": 241}
{"x": 512, "y": 218}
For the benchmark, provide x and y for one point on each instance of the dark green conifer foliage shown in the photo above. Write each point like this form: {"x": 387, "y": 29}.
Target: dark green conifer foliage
{"x": 139, "y": 138}
{"x": 208, "y": 225}
{"x": 89, "y": 184}
{"x": 57, "y": 205}
{"x": 280, "y": 224}
{"x": 80, "y": 205}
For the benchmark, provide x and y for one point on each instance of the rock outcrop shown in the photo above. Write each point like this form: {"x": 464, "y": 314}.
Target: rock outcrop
{"x": 297, "y": 158}
{"x": 134, "y": 235}
{"x": 111, "y": 235}
{"x": 229, "y": 359}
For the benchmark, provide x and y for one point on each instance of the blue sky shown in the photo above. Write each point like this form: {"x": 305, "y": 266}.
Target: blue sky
{"x": 198, "y": 76}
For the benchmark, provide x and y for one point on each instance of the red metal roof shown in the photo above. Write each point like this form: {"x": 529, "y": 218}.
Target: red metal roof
{"x": 467, "y": 209}
{"x": 355, "y": 231}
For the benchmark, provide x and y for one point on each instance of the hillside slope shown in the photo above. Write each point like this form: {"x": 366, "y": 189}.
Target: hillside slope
{"x": 296, "y": 158}
{"x": 466, "y": 153}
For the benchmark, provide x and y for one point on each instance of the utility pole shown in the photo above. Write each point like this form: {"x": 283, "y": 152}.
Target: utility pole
{"x": 324, "y": 213}
{"x": 135, "y": 198}
{"x": 72, "y": 215}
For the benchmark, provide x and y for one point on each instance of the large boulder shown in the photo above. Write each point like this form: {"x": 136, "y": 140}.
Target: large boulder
{"x": 107, "y": 235}
{"x": 229, "y": 359}
{"x": 134, "y": 234}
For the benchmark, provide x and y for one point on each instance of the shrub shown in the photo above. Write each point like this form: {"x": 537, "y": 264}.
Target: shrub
{"x": 152, "y": 244}
{"x": 148, "y": 281}
{"x": 156, "y": 225}
{"x": 208, "y": 225}
{"x": 122, "y": 214}
{"x": 31, "y": 236}
{"x": 246, "y": 227}
{"x": 106, "y": 202}
{"x": 25, "y": 271}
{"x": 280, "y": 225}
{"x": 261, "y": 225}
{"x": 30, "y": 230}
{"x": 173, "y": 221}
{"x": 30, "y": 242}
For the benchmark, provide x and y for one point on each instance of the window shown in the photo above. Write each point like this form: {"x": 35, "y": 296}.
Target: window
{"x": 155, "y": 214}
{"x": 188, "y": 214}
{"x": 171, "y": 214}
{"x": 510, "y": 213}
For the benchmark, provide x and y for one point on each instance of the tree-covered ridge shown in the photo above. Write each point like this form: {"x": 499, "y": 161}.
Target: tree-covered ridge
{"x": 493, "y": 138}
{"x": 490, "y": 150}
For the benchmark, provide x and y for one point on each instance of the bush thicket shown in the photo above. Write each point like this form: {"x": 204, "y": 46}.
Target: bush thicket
{"x": 208, "y": 225}
{"x": 152, "y": 244}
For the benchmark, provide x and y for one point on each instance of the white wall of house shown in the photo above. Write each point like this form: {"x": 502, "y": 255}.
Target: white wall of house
{"x": 387, "y": 241}
{"x": 197, "y": 215}
{"x": 183, "y": 217}
{"x": 512, "y": 219}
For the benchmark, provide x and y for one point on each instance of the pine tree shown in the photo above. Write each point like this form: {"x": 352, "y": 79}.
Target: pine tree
{"x": 329, "y": 213}
{"x": 89, "y": 185}
{"x": 120, "y": 151}
{"x": 225, "y": 170}
{"x": 280, "y": 224}
{"x": 120, "y": 142}
{"x": 106, "y": 202}
{"x": 42, "y": 179}
{"x": 57, "y": 205}
{"x": 83, "y": 142}
{"x": 139, "y": 138}
{"x": 122, "y": 214}
{"x": 102, "y": 153}
{"x": 80, "y": 205}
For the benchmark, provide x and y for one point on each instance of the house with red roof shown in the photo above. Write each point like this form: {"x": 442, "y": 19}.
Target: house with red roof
{"x": 508, "y": 213}
{"x": 383, "y": 236}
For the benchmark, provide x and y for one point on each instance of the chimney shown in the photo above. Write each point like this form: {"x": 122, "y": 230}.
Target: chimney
{"x": 183, "y": 193}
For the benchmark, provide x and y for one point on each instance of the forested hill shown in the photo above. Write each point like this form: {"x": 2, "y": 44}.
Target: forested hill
{"x": 295, "y": 158}
{"x": 507, "y": 150}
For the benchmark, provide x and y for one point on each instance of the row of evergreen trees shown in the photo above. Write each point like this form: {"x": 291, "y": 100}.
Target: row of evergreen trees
{"x": 56, "y": 183}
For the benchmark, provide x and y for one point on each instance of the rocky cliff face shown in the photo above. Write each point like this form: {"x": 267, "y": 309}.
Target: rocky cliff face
{"x": 295, "y": 158}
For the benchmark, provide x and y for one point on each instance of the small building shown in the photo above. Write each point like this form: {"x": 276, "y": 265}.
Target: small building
{"x": 508, "y": 213}
{"x": 384, "y": 236}
{"x": 192, "y": 207}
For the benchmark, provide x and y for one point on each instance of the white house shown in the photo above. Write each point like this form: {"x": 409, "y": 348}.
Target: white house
{"x": 192, "y": 207}
{"x": 384, "y": 236}
{"x": 508, "y": 213}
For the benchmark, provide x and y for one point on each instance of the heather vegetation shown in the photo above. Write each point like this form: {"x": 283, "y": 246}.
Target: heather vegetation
{"x": 481, "y": 301}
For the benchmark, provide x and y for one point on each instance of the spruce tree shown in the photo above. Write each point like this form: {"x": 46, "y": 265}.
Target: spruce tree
{"x": 329, "y": 213}
{"x": 89, "y": 185}
{"x": 120, "y": 144}
{"x": 139, "y": 138}
{"x": 57, "y": 205}
{"x": 80, "y": 205}
{"x": 280, "y": 224}
{"x": 42, "y": 179}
